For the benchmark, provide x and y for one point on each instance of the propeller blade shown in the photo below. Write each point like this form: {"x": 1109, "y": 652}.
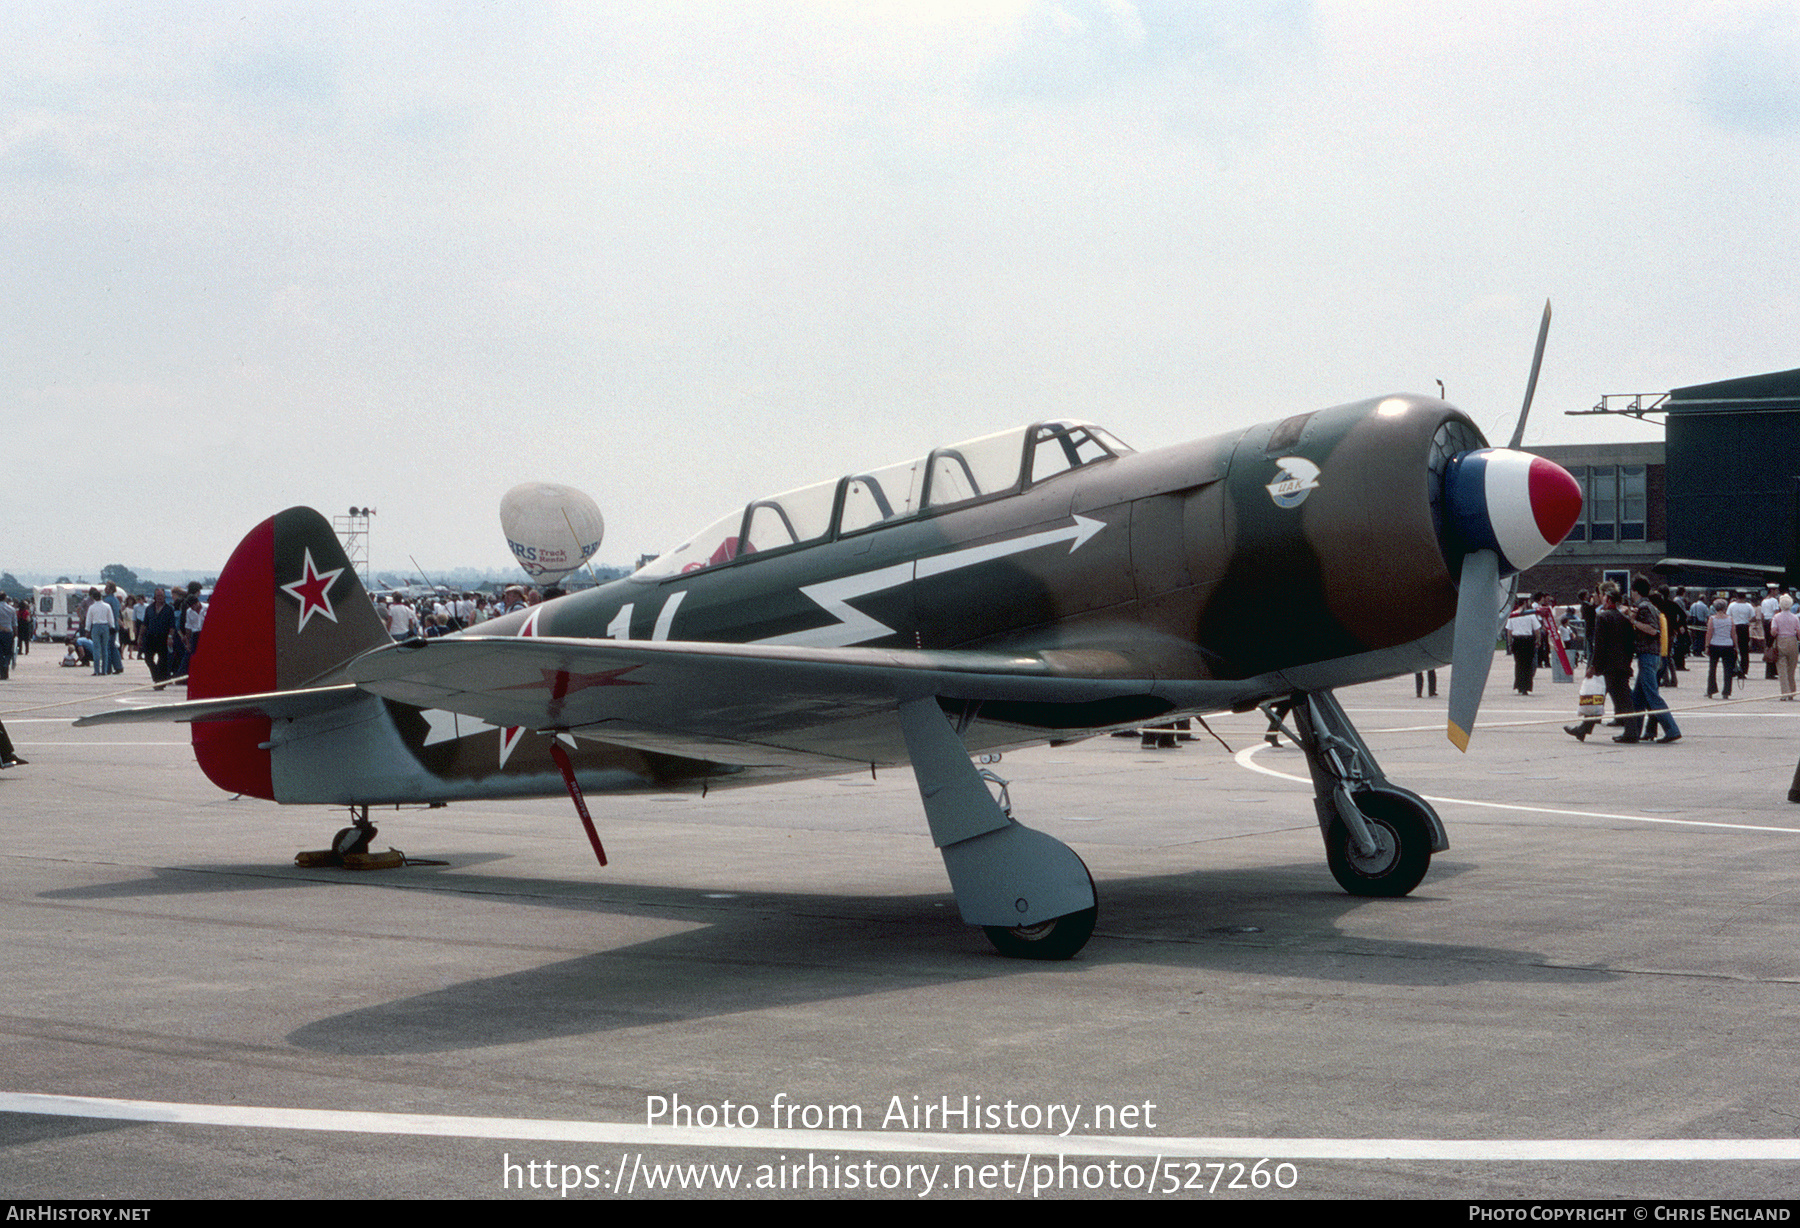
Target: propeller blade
{"x": 1537, "y": 360}
{"x": 1477, "y": 627}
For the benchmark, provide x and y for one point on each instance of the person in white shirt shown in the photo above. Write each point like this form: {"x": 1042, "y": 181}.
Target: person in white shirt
{"x": 1740, "y": 611}
{"x": 1785, "y": 627}
{"x": 1521, "y": 630}
{"x": 402, "y": 622}
{"x": 1771, "y": 606}
{"x": 100, "y": 627}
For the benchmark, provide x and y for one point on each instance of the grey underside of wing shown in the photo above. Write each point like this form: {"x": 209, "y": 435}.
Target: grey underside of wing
{"x": 726, "y": 702}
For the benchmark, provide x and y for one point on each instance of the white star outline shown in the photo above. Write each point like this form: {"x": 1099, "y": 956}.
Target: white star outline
{"x": 511, "y": 735}
{"x": 310, "y": 577}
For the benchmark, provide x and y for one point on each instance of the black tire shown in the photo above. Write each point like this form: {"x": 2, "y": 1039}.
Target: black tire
{"x": 1405, "y": 853}
{"x": 352, "y": 840}
{"x": 1057, "y": 938}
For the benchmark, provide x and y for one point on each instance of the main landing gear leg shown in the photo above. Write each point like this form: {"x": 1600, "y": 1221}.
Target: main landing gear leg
{"x": 1379, "y": 838}
{"x": 1028, "y": 891}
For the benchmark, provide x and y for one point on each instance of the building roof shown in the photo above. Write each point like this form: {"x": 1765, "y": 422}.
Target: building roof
{"x": 1775, "y": 392}
{"x": 1647, "y": 452}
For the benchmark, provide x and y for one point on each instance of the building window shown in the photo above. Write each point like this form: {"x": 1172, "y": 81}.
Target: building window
{"x": 1579, "y": 533}
{"x": 1603, "y": 502}
{"x": 1632, "y": 501}
{"x": 1615, "y": 503}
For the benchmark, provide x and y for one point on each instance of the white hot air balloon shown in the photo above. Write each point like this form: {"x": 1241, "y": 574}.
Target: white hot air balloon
{"x": 552, "y": 529}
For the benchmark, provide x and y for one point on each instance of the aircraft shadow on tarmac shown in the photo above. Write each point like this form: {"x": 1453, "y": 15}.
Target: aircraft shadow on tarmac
{"x": 758, "y": 951}
{"x": 762, "y": 950}
{"x": 205, "y": 880}
{"x": 23, "y": 1129}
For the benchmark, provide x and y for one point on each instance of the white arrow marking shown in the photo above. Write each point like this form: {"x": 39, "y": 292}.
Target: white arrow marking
{"x": 855, "y": 627}
{"x": 1075, "y": 534}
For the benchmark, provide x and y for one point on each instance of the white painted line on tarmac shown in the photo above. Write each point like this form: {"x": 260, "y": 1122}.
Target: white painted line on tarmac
{"x": 549, "y": 1130}
{"x": 1246, "y": 758}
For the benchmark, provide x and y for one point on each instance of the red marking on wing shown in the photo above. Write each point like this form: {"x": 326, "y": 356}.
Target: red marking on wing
{"x": 562, "y": 683}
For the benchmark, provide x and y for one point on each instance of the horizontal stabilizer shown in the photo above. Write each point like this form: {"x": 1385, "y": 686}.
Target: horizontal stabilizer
{"x": 272, "y": 705}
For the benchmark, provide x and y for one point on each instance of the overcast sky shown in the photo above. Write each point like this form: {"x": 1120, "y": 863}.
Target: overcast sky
{"x": 680, "y": 255}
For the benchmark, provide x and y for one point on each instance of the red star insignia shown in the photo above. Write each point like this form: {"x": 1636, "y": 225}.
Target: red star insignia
{"x": 562, "y": 683}
{"x": 312, "y": 590}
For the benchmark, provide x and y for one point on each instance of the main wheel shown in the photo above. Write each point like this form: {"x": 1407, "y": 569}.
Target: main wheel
{"x": 1403, "y": 853}
{"x": 1057, "y": 938}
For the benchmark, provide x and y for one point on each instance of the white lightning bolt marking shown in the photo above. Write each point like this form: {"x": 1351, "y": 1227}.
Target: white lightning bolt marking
{"x": 855, "y": 627}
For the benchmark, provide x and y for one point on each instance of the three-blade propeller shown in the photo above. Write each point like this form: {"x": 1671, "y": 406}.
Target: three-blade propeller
{"x": 1507, "y": 509}
{"x": 1477, "y": 627}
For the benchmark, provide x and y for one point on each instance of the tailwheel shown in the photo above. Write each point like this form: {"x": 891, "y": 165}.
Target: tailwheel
{"x": 350, "y": 848}
{"x": 1403, "y": 847}
{"x": 353, "y": 839}
{"x": 1057, "y": 938}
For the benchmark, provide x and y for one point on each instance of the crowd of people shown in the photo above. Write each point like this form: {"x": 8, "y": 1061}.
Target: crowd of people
{"x": 441, "y": 613}
{"x": 162, "y": 630}
{"x": 1625, "y": 635}
{"x": 1650, "y": 633}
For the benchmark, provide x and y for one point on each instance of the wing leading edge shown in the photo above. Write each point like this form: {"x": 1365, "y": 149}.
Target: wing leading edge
{"x": 704, "y": 698}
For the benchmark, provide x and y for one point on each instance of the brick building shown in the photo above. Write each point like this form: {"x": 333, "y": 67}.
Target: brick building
{"x": 1624, "y": 523}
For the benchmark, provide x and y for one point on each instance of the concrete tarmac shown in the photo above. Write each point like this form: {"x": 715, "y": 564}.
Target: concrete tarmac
{"x": 1607, "y": 954}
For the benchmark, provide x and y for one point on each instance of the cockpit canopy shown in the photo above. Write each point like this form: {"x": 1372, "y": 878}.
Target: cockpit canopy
{"x": 986, "y": 468}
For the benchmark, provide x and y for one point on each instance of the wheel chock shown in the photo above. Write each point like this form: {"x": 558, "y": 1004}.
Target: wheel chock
{"x": 390, "y": 860}
{"x": 319, "y": 859}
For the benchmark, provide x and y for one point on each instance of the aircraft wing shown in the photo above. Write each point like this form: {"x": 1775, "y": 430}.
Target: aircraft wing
{"x": 1773, "y": 572}
{"x": 704, "y": 699}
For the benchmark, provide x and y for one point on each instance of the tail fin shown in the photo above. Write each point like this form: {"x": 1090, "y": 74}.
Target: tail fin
{"x": 287, "y": 612}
